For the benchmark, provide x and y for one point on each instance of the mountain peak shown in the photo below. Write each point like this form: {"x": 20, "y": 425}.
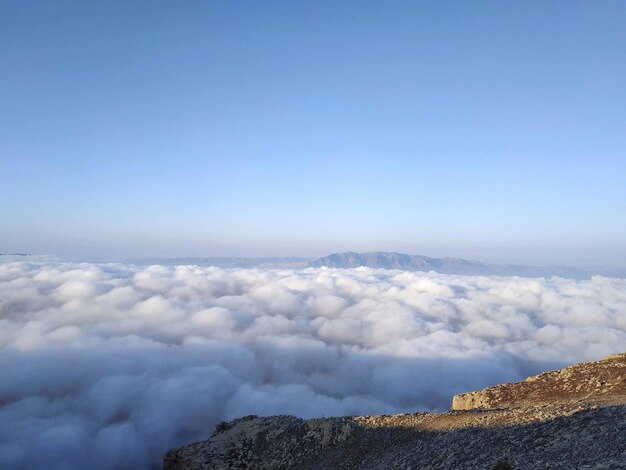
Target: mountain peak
{"x": 454, "y": 266}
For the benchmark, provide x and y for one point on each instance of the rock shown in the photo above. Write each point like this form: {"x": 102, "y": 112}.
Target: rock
{"x": 592, "y": 381}
{"x": 571, "y": 418}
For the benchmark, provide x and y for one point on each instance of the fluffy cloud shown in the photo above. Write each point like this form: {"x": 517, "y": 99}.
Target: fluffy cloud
{"x": 109, "y": 365}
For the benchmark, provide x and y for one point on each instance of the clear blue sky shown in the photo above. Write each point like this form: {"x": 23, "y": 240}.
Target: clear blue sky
{"x": 488, "y": 130}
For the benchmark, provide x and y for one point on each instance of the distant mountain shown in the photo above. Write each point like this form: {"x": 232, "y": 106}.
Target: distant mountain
{"x": 15, "y": 254}
{"x": 392, "y": 260}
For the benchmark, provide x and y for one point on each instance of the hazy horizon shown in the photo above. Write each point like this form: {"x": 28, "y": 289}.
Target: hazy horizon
{"x": 615, "y": 267}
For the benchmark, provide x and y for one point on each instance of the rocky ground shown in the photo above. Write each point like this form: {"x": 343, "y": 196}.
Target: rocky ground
{"x": 570, "y": 418}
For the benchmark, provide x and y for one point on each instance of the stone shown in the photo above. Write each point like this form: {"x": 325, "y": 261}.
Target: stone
{"x": 569, "y": 418}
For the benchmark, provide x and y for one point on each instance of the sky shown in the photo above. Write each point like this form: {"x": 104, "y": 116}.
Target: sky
{"x": 486, "y": 130}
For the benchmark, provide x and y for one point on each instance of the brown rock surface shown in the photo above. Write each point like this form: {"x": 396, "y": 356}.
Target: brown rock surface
{"x": 589, "y": 381}
{"x": 570, "y": 418}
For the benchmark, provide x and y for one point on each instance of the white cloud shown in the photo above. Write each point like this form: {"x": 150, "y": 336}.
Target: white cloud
{"x": 106, "y": 365}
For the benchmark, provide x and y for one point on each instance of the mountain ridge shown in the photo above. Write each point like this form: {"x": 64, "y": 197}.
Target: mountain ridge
{"x": 569, "y": 418}
{"x": 456, "y": 266}
{"x": 352, "y": 259}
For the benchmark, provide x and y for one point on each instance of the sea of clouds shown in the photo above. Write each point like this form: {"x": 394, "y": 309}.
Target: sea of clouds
{"x": 110, "y": 365}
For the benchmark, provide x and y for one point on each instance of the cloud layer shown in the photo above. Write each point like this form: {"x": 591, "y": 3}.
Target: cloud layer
{"x": 109, "y": 365}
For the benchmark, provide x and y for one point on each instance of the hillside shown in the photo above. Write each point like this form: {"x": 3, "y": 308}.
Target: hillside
{"x": 569, "y": 418}
{"x": 457, "y": 266}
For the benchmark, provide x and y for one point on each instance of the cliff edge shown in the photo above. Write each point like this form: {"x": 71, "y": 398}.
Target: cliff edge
{"x": 569, "y": 418}
{"x": 598, "y": 382}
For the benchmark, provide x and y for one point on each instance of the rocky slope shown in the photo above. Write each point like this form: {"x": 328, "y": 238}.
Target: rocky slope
{"x": 570, "y": 418}
{"x": 591, "y": 382}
